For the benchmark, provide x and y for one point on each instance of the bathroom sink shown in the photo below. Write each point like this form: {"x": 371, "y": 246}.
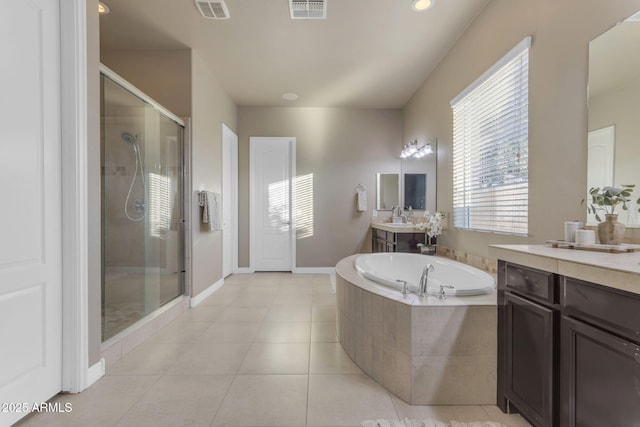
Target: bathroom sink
{"x": 403, "y": 225}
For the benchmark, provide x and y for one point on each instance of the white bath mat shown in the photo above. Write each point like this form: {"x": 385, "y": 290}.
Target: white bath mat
{"x": 428, "y": 423}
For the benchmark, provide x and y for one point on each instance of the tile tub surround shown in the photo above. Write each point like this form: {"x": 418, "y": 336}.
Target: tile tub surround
{"x": 426, "y": 351}
{"x": 617, "y": 271}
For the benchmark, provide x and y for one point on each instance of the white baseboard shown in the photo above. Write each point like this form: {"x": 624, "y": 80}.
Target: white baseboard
{"x": 206, "y": 293}
{"x": 314, "y": 270}
{"x": 296, "y": 270}
{"x": 95, "y": 372}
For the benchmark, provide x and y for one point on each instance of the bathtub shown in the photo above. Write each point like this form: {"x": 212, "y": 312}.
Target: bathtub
{"x": 426, "y": 351}
{"x": 389, "y": 267}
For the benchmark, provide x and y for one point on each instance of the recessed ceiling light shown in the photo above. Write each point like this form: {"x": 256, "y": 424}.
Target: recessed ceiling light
{"x": 102, "y": 8}
{"x": 421, "y": 5}
{"x": 290, "y": 96}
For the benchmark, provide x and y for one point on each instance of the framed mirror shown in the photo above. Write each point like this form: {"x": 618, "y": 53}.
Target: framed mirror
{"x": 613, "y": 102}
{"x": 387, "y": 191}
{"x": 415, "y": 191}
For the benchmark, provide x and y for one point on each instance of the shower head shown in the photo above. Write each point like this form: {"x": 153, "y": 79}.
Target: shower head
{"x": 127, "y": 137}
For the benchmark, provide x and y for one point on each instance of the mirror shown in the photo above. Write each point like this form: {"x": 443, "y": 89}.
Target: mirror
{"x": 424, "y": 169}
{"x": 614, "y": 109}
{"x": 415, "y": 191}
{"x": 387, "y": 191}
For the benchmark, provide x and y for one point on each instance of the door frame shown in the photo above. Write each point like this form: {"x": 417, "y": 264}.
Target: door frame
{"x": 608, "y": 133}
{"x": 230, "y": 224}
{"x": 252, "y": 195}
{"x": 75, "y": 244}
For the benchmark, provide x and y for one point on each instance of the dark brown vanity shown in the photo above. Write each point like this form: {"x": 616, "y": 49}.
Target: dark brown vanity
{"x": 569, "y": 348}
{"x": 390, "y": 238}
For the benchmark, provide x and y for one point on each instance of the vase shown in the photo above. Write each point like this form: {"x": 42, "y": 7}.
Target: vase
{"x": 429, "y": 248}
{"x": 610, "y": 231}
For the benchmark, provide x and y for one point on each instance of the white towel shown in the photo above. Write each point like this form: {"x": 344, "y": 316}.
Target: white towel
{"x": 210, "y": 203}
{"x": 362, "y": 200}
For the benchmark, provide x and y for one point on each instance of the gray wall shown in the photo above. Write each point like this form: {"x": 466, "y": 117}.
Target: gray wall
{"x": 561, "y": 33}
{"x": 211, "y": 107}
{"x": 164, "y": 75}
{"x": 339, "y": 148}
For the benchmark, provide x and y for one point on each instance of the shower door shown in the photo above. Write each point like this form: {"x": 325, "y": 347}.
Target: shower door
{"x": 142, "y": 207}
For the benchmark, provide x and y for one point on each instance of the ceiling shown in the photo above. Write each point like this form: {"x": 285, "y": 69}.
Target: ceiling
{"x": 366, "y": 54}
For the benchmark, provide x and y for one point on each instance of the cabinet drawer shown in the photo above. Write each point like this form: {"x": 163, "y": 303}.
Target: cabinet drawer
{"x": 531, "y": 282}
{"x": 615, "y": 310}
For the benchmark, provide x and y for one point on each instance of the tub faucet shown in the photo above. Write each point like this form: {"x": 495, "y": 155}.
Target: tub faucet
{"x": 422, "y": 289}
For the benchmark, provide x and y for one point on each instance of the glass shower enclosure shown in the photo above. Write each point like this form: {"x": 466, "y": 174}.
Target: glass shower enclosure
{"x": 142, "y": 205}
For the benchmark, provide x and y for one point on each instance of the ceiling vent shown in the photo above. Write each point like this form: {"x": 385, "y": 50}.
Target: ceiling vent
{"x": 308, "y": 9}
{"x": 213, "y": 9}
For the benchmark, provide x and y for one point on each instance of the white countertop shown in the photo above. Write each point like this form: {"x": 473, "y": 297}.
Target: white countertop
{"x": 396, "y": 228}
{"x": 619, "y": 271}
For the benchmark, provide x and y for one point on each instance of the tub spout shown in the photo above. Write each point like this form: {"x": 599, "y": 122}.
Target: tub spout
{"x": 422, "y": 289}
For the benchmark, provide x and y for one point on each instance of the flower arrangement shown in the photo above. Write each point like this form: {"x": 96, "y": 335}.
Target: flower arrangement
{"x": 433, "y": 226}
{"x": 608, "y": 198}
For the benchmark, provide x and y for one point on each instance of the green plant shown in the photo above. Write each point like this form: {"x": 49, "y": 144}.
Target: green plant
{"x": 608, "y": 198}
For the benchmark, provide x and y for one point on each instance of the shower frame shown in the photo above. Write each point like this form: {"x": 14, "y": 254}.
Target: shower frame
{"x": 185, "y": 189}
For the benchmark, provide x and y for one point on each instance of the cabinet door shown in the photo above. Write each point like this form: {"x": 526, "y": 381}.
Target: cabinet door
{"x": 601, "y": 377}
{"x": 530, "y": 376}
{"x": 408, "y": 242}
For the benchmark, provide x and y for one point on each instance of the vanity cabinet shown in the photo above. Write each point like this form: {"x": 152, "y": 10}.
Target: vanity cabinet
{"x": 568, "y": 350}
{"x": 600, "y": 355}
{"x": 529, "y": 318}
{"x": 389, "y": 241}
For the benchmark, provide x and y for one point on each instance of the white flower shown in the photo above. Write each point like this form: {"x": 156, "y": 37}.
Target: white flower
{"x": 433, "y": 227}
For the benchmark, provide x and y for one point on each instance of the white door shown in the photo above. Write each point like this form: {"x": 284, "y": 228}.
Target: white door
{"x": 600, "y": 160}
{"x": 229, "y": 201}
{"x": 272, "y": 170}
{"x": 30, "y": 218}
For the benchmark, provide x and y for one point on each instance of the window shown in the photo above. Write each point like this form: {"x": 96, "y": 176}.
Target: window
{"x": 490, "y": 147}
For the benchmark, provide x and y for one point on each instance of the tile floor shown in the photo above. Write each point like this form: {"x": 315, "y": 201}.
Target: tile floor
{"x": 261, "y": 351}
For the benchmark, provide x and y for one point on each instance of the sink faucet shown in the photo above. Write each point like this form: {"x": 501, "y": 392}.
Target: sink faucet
{"x": 422, "y": 289}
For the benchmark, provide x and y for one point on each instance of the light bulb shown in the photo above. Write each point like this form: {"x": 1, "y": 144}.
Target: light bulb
{"x": 421, "y": 5}
{"x": 102, "y": 8}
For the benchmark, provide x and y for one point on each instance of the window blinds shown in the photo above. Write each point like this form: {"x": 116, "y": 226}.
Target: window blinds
{"x": 490, "y": 147}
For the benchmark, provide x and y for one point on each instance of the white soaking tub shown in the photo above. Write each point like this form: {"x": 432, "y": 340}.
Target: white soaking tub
{"x": 388, "y": 267}
{"x": 425, "y": 350}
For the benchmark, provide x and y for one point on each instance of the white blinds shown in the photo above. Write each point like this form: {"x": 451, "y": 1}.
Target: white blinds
{"x": 490, "y": 147}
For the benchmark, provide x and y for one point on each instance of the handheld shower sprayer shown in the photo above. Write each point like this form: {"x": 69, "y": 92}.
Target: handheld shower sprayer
{"x": 130, "y": 138}
{"x": 138, "y": 204}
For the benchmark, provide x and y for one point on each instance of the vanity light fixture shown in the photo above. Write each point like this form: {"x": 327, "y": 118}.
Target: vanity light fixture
{"x": 422, "y": 5}
{"x": 423, "y": 151}
{"x": 103, "y": 9}
{"x": 412, "y": 150}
